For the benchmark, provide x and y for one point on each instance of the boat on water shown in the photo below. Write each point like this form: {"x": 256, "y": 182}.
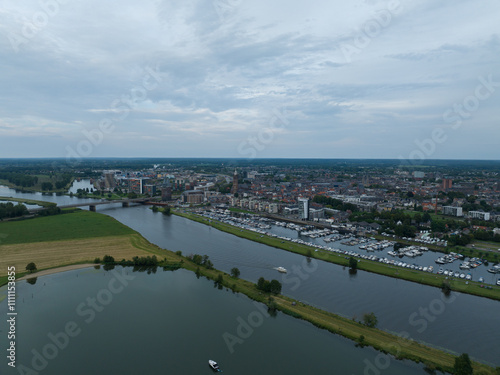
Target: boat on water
{"x": 281, "y": 269}
{"x": 214, "y": 365}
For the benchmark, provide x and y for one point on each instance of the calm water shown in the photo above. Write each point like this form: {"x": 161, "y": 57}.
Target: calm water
{"x": 462, "y": 323}
{"x": 169, "y": 323}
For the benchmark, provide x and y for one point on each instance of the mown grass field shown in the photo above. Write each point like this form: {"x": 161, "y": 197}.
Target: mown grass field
{"x": 70, "y": 226}
{"x": 72, "y": 238}
{"x": 365, "y": 265}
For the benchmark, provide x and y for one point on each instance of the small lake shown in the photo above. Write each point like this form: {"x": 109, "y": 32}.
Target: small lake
{"x": 124, "y": 322}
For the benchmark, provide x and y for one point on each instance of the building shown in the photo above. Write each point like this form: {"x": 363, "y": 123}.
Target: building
{"x": 316, "y": 213}
{"x": 234, "y": 189}
{"x": 418, "y": 174}
{"x": 303, "y": 208}
{"x": 273, "y": 208}
{"x": 193, "y": 196}
{"x": 447, "y": 183}
{"x": 479, "y": 215}
{"x": 166, "y": 193}
{"x": 135, "y": 185}
{"x": 149, "y": 190}
{"x": 109, "y": 180}
{"x": 452, "y": 211}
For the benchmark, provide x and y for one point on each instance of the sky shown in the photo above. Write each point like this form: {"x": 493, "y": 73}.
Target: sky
{"x": 393, "y": 79}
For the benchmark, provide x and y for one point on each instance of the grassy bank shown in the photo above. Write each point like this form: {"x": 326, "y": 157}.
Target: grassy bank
{"x": 73, "y": 238}
{"x": 425, "y": 278}
{"x": 28, "y": 201}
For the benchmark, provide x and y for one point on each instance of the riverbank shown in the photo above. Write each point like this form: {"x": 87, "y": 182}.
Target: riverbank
{"x": 430, "y": 279}
{"x": 28, "y": 201}
{"x": 67, "y": 239}
{"x": 52, "y": 271}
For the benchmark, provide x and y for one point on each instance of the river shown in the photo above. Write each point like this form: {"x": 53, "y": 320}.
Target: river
{"x": 122, "y": 322}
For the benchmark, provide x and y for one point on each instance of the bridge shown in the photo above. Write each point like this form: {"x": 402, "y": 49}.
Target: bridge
{"x": 94, "y": 204}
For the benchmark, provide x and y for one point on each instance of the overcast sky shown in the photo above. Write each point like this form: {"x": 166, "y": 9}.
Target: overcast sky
{"x": 250, "y": 78}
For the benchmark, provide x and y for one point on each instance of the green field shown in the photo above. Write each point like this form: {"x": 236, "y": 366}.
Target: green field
{"x": 70, "y": 226}
{"x": 341, "y": 259}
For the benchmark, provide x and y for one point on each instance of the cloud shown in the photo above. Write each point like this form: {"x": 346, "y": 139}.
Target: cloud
{"x": 220, "y": 76}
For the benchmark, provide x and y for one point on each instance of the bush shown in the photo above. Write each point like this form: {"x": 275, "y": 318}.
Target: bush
{"x": 108, "y": 259}
{"x": 31, "y": 267}
{"x": 370, "y": 320}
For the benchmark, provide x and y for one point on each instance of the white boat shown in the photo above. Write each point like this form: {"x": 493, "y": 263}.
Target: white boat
{"x": 214, "y": 365}
{"x": 281, "y": 269}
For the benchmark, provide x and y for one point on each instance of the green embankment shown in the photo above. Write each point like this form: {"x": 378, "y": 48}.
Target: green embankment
{"x": 425, "y": 278}
{"x": 28, "y": 201}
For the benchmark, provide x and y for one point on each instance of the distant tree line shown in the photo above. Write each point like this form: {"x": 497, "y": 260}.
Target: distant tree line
{"x": 19, "y": 179}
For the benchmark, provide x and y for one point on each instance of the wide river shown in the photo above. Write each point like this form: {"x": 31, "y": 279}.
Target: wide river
{"x": 460, "y": 322}
{"x": 122, "y": 322}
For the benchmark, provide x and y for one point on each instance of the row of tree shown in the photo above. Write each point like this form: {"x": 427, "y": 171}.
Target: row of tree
{"x": 9, "y": 210}
{"x": 273, "y": 286}
{"x": 19, "y": 179}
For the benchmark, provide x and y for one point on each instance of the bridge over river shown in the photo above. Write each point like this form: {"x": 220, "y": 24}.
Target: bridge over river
{"x": 92, "y": 205}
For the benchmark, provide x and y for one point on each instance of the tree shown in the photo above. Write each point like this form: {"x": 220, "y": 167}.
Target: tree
{"x": 463, "y": 365}
{"x": 47, "y": 186}
{"x": 261, "y": 283}
{"x": 108, "y": 259}
{"x": 235, "y": 272}
{"x": 370, "y": 320}
{"x": 275, "y": 287}
{"x": 31, "y": 267}
{"x": 353, "y": 264}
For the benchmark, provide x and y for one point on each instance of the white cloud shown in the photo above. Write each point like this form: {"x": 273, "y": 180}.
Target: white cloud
{"x": 220, "y": 78}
